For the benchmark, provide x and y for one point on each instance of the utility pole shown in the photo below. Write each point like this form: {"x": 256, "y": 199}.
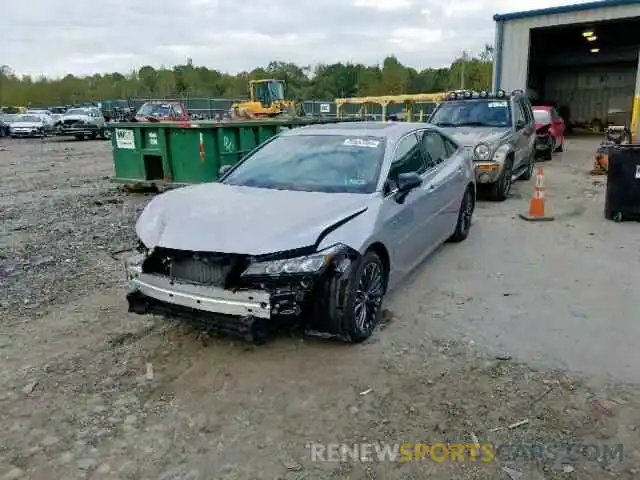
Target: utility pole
{"x": 464, "y": 61}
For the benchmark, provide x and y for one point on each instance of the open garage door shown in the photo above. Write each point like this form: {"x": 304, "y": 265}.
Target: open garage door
{"x": 587, "y": 70}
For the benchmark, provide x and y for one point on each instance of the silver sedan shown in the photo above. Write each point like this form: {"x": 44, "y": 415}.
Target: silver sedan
{"x": 318, "y": 224}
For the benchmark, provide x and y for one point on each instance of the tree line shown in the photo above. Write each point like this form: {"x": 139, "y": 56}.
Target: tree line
{"x": 324, "y": 82}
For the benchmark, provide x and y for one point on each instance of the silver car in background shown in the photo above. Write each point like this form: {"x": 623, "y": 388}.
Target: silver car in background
{"x": 84, "y": 122}
{"x": 317, "y": 223}
{"x": 29, "y": 125}
{"x": 46, "y": 115}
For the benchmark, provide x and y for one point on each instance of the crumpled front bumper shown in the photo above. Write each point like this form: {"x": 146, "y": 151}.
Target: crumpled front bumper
{"x": 205, "y": 298}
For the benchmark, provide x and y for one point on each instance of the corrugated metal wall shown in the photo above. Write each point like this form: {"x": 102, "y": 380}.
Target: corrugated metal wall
{"x": 515, "y": 42}
{"x": 591, "y": 93}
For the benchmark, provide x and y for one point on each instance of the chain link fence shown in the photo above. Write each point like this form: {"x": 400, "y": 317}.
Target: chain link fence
{"x": 210, "y": 108}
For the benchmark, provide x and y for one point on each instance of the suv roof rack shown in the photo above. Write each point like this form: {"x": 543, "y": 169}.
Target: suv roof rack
{"x": 473, "y": 95}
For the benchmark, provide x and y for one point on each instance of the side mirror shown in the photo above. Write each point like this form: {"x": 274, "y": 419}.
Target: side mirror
{"x": 520, "y": 124}
{"x": 406, "y": 183}
{"x": 223, "y": 170}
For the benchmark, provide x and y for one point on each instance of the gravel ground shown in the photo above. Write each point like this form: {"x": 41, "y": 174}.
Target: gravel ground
{"x": 90, "y": 391}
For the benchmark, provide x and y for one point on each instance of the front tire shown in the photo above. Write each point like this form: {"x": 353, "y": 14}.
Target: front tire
{"x": 363, "y": 296}
{"x": 560, "y": 147}
{"x": 499, "y": 191}
{"x": 548, "y": 155}
{"x": 465, "y": 215}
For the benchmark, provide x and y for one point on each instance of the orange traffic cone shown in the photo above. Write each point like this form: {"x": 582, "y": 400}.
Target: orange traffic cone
{"x": 536, "y": 205}
{"x": 600, "y": 165}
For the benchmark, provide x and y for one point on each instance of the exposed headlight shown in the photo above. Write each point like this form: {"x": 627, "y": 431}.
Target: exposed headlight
{"x": 482, "y": 152}
{"x": 310, "y": 264}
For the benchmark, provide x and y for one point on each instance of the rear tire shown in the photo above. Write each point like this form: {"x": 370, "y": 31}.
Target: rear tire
{"x": 465, "y": 215}
{"x": 528, "y": 173}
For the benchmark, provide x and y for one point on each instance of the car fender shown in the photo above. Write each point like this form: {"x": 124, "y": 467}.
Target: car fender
{"x": 502, "y": 152}
{"x": 356, "y": 234}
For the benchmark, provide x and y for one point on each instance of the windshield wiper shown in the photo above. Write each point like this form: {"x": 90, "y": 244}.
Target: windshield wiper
{"x": 445, "y": 124}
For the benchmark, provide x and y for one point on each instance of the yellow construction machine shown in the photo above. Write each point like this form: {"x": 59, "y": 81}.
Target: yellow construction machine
{"x": 266, "y": 100}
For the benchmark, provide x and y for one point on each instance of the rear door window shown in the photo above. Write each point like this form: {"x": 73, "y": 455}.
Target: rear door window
{"x": 518, "y": 112}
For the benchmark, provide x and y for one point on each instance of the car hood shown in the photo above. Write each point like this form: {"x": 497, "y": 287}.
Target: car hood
{"x": 471, "y": 136}
{"x": 25, "y": 125}
{"x": 254, "y": 221}
{"x": 76, "y": 117}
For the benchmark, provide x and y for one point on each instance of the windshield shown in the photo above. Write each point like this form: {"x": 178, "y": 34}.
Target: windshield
{"x": 77, "y": 111}
{"x": 277, "y": 90}
{"x": 29, "y": 118}
{"x": 314, "y": 163}
{"x": 267, "y": 92}
{"x": 474, "y": 113}
{"x": 154, "y": 110}
{"x": 542, "y": 116}
{"x": 39, "y": 112}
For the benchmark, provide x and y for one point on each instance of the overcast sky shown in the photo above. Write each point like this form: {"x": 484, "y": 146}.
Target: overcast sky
{"x": 55, "y": 37}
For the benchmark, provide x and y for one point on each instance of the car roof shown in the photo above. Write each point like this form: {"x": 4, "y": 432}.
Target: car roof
{"x": 388, "y": 130}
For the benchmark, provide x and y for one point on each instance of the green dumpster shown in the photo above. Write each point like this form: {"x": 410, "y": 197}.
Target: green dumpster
{"x": 172, "y": 153}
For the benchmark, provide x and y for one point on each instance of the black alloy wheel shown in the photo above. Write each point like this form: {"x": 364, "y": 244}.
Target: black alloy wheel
{"x": 366, "y": 290}
{"x": 465, "y": 216}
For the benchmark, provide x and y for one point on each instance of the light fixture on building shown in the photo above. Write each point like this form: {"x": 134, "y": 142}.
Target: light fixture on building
{"x": 595, "y": 50}
{"x": 593, "y": 38}
{"x": 588, "y": 33}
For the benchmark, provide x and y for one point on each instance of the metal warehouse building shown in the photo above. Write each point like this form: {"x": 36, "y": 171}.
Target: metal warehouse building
{"x": 584, "y": 58}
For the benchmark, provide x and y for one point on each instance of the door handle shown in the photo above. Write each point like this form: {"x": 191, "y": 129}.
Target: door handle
{"x": 433, "y": 187}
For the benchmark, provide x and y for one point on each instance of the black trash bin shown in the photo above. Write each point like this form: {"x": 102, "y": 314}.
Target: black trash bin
{"x": 623, "y": 183}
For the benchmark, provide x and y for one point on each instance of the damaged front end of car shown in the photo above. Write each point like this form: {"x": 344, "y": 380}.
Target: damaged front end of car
{"x": 242, "y": 295}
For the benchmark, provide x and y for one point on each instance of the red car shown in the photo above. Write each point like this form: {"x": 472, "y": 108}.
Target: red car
{"x": 170, "y": 111}
{"x": 549, "y": 131}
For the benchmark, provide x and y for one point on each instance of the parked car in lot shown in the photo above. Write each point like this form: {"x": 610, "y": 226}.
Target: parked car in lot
{"x": 316, "y": 223}
{"x": 550, "y": 129}
{"x": 498, "y": 128}
{"x": 162, "y": 112}
{"x": 47, "y": 116}
{"x": 29, "y": 125}
{"x": 84, "y": 122}
{"x": 5, "y": 123}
